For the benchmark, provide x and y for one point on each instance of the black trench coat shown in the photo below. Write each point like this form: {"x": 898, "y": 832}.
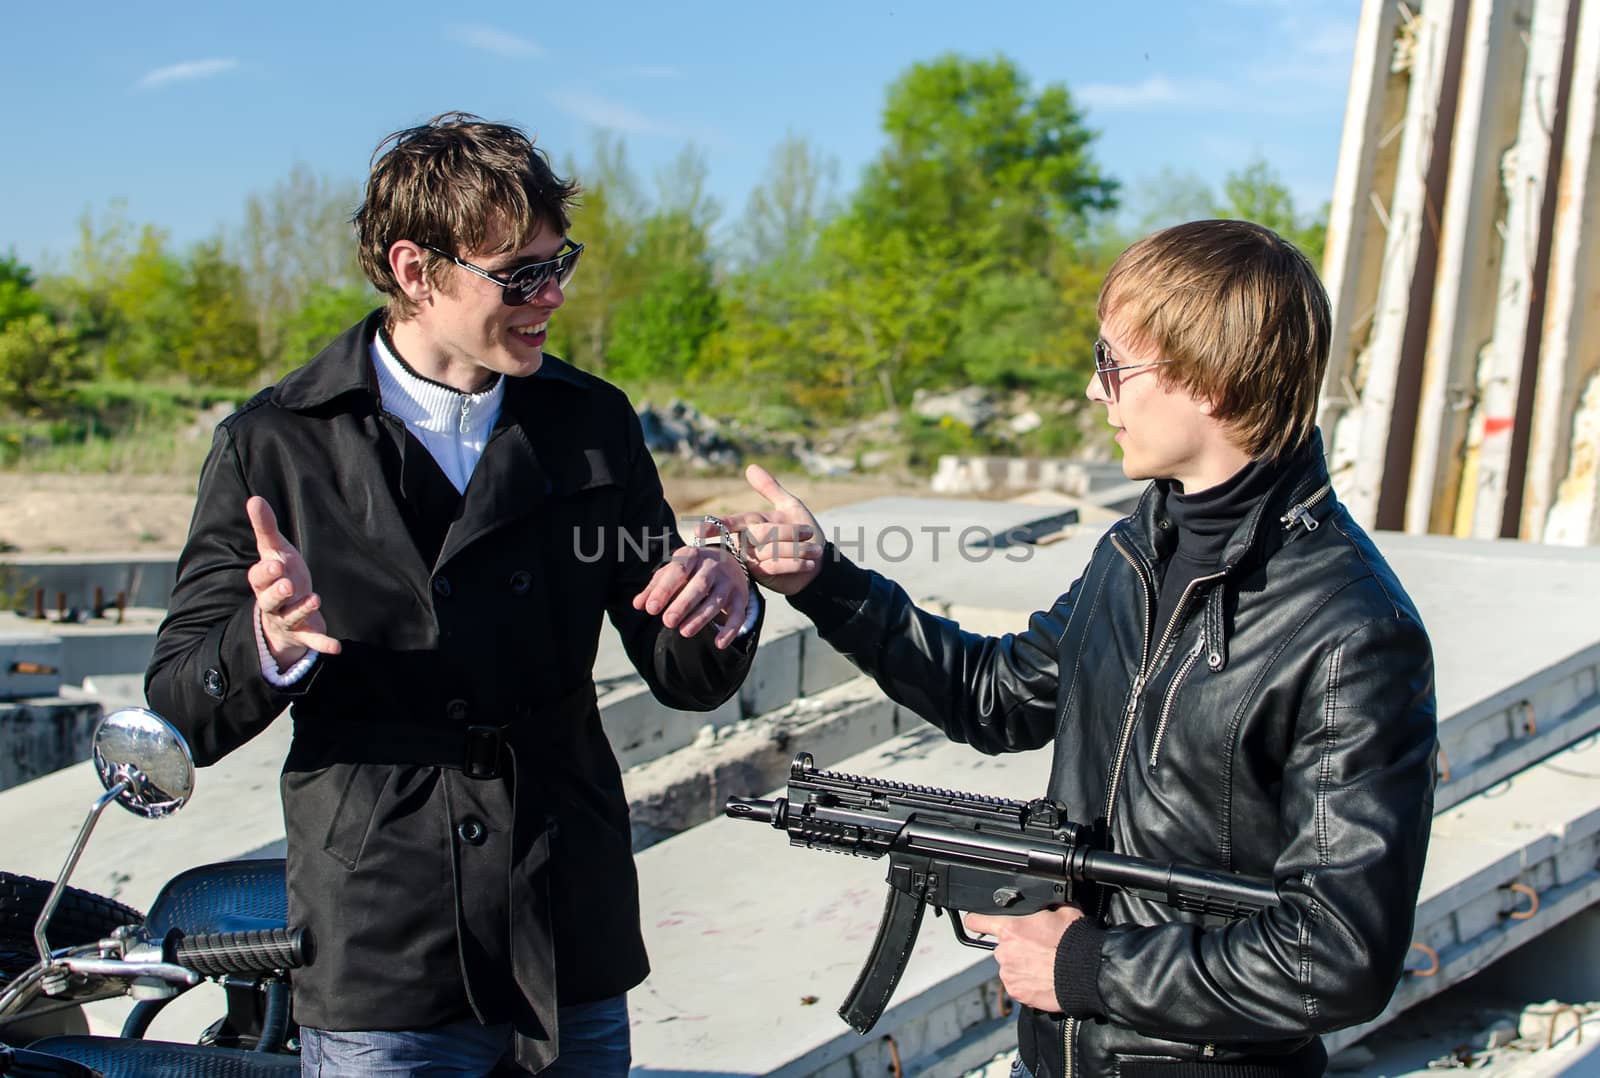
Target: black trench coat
{"x": 458, "y": 837}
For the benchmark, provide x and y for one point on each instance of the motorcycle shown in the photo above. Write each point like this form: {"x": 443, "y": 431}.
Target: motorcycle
{"x": 222, "y": 922}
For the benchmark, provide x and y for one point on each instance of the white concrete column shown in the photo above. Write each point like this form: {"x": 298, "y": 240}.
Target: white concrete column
{"x": 1524, "y": 176}
{"x": 1470, "y": 254}
{"x": 1380, "y": 370}
{"x": 1561, "y": 498}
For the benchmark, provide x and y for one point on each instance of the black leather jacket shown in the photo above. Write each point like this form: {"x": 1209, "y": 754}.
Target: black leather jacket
{"x": 1282, "y": 726}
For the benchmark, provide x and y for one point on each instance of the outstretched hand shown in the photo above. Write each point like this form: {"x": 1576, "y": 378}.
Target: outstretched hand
{"x": 782, "y": 545}
{"x": 291, "y": 613}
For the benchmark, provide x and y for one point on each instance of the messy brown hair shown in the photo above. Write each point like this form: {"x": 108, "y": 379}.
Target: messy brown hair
{"x": 1240, "y": 317}
{"x": 457, "y": 183}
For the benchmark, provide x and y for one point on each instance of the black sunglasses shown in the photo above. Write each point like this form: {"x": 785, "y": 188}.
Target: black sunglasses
{"x": 1109, "y": 370}
{"x": 524, "y": 282}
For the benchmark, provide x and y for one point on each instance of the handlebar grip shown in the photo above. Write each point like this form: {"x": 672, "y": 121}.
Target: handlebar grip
{"x": 255, "y": 951}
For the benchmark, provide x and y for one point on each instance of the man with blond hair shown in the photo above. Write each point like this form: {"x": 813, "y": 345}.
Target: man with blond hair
{"x": 1237, "y": 681}
{"x": 469, "y": 508}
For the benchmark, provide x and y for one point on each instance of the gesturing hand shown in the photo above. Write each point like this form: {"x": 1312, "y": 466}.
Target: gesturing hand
{"x": 782, "y": 545}
{"x": 291, "y": 613}
{"x": 693, "y": 587}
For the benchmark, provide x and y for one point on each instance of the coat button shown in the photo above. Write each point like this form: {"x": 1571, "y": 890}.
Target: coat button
{"x": 521, "y": 581}
{"x": 213, "y": 683}
{"x": 441, "y": 587}
{"x": 456, "y": 710}
{"x": 472, "y": 831}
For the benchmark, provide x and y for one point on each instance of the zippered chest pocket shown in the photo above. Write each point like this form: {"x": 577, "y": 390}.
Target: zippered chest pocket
{"x": 1169, "y": 699}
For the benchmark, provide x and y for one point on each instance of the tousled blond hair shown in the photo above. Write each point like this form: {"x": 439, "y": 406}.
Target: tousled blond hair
{"x": 1240, "y": 317}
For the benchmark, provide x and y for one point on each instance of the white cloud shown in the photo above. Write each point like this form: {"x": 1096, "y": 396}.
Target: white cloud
{"x": 1308, "y": 51}
{"x": 602, "y": 112}
{"x": 185, "y": 72}
{"x": 613, "y": 115}
{"x": 1155, "y": 91}
{"x": 499, "y": 42}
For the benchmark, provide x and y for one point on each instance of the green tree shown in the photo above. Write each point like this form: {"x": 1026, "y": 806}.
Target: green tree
{"x": 84, "y": 295}
{"x": 608, "y": 219}
{"x": 17, "y": 296}
{"x": 216, "y": 341}
{"x": 975, "y": 152}
{"x": 883, "y": 313}
{"x": 763, "y": 341}
{"x": 188, "y": 317}
{"x": 39, "y": 361}
{"x": 662, "y": 328}
{"x": 986, "y": 187}
{"x": 783, "y": 215}
{"x": 144, "y": 320}
{"x": 1168, "y": 198}
{"x": 296, "y": 239}
{"x": 1255, "y": 193}
{"x": 323, "y": 314}
{"x": 673, "y": 305}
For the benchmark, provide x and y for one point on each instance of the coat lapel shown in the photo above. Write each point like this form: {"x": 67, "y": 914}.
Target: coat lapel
{"x": 508, "y": 483}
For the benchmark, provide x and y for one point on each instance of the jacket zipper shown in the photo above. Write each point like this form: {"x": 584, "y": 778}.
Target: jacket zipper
{"x": 1300, "y": 513}
{"x": 1139, "y": 681}
{"x": 1070, "y": 1026}
{"x": 1133, "y": 695}
{"x": 1172, "y": 692}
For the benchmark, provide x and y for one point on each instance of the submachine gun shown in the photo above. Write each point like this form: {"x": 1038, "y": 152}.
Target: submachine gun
{"x": 969, "y": 853}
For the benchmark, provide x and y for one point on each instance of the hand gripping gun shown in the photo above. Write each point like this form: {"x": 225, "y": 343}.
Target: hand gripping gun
{"x": 961, "y": 852}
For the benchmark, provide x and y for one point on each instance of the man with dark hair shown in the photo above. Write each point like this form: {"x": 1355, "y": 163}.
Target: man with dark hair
{"x": 1237, "y": 681}
{"x": 458, "y": 839}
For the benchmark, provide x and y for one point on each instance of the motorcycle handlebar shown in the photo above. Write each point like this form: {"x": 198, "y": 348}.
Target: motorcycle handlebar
{"x": 255, "y": 951}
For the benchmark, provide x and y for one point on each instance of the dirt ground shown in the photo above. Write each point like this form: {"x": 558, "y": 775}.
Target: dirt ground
{"x": 103, "y": 514}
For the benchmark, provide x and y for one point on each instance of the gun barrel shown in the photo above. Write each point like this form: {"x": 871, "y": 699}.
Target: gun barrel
{"x": 758, "y": 809}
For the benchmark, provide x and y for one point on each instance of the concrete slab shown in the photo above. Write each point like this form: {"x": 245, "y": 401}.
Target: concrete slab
{"x": 145, "y": 579}
{"x": 30, "y": 664}
{"x": 97, "y": 646}
{"x": 675, "y": 792}
{"x": 43, "y": 734}
{"x": 1503, "y": 867}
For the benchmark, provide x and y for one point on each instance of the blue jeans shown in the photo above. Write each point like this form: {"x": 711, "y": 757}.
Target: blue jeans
{"x": 1019, "y": 1069}
{"x": 594, "y": 1042}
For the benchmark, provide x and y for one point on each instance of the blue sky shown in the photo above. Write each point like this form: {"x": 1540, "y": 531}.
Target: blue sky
{"x": 185, "y": 109}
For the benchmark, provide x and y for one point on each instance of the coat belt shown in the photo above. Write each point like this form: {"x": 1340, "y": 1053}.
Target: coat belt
{"x": 477, "y": 750}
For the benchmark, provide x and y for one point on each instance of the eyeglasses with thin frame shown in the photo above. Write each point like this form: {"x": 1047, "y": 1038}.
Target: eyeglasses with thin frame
{"x": 524, "y": 282}
{"x": 1109, "y": 370}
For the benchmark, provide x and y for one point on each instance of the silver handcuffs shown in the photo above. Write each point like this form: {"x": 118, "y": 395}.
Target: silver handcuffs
{"x": 724, "y": 538}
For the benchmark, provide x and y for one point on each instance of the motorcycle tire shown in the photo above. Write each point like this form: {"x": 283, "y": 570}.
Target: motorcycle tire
{"x": 80, "y": 917}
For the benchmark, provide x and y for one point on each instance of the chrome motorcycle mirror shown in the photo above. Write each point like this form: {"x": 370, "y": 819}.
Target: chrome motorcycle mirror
{"x": 142, "y": 752}
{"x": 146, "y": 766}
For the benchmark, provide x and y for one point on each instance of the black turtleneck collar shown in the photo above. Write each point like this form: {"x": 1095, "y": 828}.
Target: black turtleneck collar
{"x": 1204, "y": 522}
